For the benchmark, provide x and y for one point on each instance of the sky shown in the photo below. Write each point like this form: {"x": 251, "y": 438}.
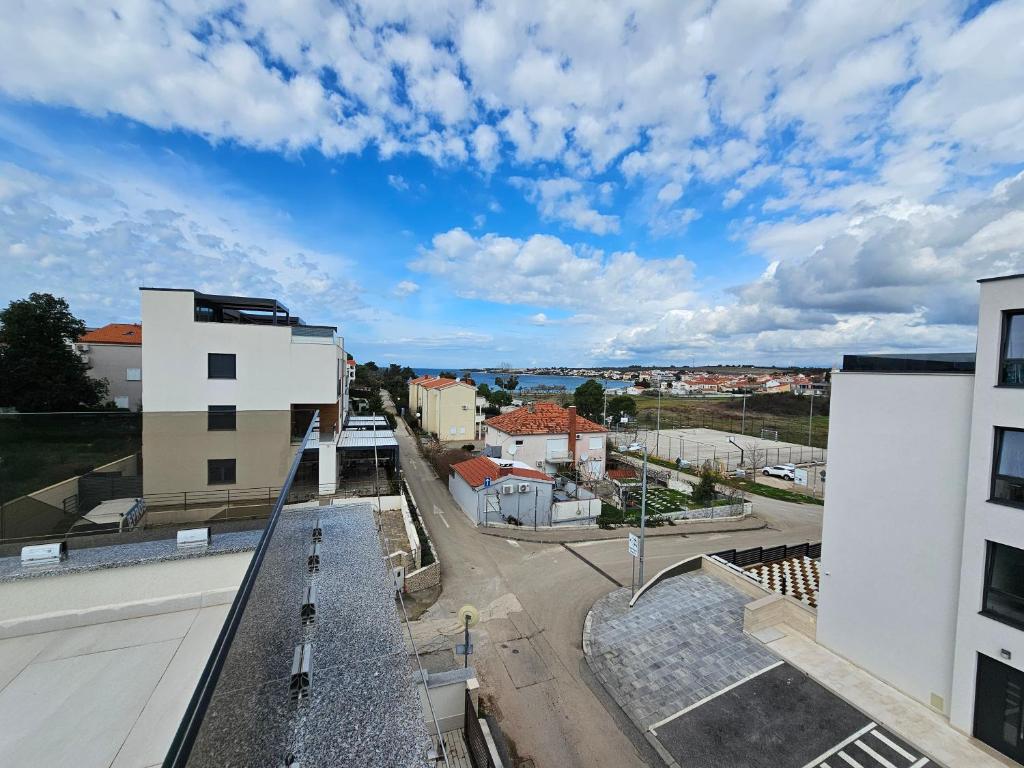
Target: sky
{"x": 536, "y": 183}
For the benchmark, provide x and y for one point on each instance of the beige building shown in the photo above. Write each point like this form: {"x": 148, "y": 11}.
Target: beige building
{"x": 446, "y": 408}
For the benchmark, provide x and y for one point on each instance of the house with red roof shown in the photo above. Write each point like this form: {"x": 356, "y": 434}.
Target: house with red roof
{"x": 446, "y": 408}
{"x": 493, "y": 490}
{"x": 114, "y": 353}
{"x": 547, "y": 437}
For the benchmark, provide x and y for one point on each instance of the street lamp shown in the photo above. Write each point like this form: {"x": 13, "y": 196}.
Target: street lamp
{"x": 657, "y": 427}
{"x": 810, "y": 420}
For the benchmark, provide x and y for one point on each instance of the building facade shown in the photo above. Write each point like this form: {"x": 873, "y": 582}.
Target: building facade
{"x": 923, "y": 541}
{"x": 446, "y": 408}
{"x": 114, "y": 353}
{"x": 219, "y": 356}
{"x": 548, "y": 437}
{"x": 501, "y": 491}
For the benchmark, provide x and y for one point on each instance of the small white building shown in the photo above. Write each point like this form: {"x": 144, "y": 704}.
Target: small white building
{"x": 546, "y": 436}
{"x": 114, "y": 353}
{"x": 923, "y": 541}
{"x": 492, "y": 490}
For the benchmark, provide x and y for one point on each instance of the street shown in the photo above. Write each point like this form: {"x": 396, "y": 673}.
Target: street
{"x": 533, "y": 599}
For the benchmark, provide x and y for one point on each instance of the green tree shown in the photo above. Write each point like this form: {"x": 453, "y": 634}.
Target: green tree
{"x": 448, "y": 375}
{"x": 483, "y": 390}
{"x": 509, "y": 383}
{"x": 40, "y": 370}
{"x": 589, "y": 399}
{"x": 704, "y": 491}
{"x": 619, "y": 406}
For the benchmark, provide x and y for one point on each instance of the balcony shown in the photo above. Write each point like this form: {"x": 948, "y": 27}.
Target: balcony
{"x": 557, "y": 455}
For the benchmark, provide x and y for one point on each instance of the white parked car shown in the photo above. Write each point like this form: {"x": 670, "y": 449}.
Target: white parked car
{"x": 638, "y": 447}
{"x": 780, "y": 470}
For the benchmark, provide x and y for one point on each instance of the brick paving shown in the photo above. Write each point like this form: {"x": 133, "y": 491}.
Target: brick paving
{"x": 680, "y": 643}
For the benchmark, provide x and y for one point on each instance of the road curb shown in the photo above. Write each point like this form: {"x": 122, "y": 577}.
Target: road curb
{"x": 510, "y": 533}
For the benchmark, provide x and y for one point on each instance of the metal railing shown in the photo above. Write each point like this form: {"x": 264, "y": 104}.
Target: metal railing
{"x": 184, "y": 739}
{"x": 479, "y": 753}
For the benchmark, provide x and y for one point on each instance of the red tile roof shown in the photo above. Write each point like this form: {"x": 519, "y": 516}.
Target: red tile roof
{"x": 475, "y": 471}
{"x": 626, "y": 473}
{"x": 114, "y": 333}
{"x": 442, "y": 383}
{"x": 546, "y": 419}
{"x": 420, "y": 379}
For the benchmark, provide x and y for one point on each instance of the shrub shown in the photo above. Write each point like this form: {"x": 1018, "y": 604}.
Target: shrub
{"x": 704, "y": 491}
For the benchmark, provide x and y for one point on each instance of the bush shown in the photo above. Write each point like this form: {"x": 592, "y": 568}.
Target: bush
{"x": 469, "y": 447}
{"x": 704, "y": 492}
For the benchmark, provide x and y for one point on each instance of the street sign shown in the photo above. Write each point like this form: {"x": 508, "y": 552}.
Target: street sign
{"x": 487, "y": 482}
{"x": 634, "y": 545}
{"x": 462, "y": 650}
{"x": 800, "y": 477}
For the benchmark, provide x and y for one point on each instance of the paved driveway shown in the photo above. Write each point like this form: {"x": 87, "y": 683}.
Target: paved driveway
{"x": 682, "y": 642}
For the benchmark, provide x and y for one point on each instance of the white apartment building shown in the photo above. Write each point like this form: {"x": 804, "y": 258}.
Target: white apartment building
{"x": 227, "y": 354}
{"x": 547, "y": 436}
{"x": 923, "y": 541}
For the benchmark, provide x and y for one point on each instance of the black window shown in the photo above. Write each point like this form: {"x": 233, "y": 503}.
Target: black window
{"x": 220, "y": 365}
{"x": 1004, "y": 584}
{"x": 1011, "y": 359}
{"x": 1008, "y": 467}
{"x": 220, "y": 418}
{"x": 220, "y": 471}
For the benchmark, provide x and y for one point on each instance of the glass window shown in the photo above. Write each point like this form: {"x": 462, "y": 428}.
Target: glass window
{"x": 1008, "y": 467}
{"x": 220, "y": 471}
{"x": 220, "y": 366}
{"x": 220, "y": 418}
{"x": 1011, "y": 365}
{"x": 133, "y": 374}
{"x": 1004, "y": 584}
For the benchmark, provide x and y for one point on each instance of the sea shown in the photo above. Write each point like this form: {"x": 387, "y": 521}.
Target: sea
{"x": 529, "y": 381}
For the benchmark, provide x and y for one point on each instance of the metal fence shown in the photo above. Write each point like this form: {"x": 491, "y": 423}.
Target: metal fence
{"x": 479, "y": 753}
{"x": 696, "y": 452}
{"x": 790, "y": 429}
{"x": 767, "y": 555}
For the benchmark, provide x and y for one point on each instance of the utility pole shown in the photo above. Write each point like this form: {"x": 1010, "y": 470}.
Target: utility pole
{"x": 810, "y": 420}
{"x": 743, "y": 421}
{"x": 657, "y": 428}
{"x": 643, "y": 514}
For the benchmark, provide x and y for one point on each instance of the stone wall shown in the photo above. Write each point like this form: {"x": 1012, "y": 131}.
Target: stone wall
{"x": 427, "y": 576}
{"x": 423, "y": 578}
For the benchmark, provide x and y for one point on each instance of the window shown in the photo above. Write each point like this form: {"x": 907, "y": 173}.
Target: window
{"x": 220, "y": 418}
{"x": 133, "y": 374}
{"x": 220, "y": 471}
{"x": 1004, "y": 584}
{"x": 596, "y": 443}
{"x": 1011, "y": 358}
{"x": 220, "y": 366}
{"x": 519, "y": 442}
{"x": 121, "y": 401}
{"x": 1008, "y": 467}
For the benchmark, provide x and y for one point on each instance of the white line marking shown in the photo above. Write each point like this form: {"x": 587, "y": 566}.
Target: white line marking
{"x": 821, "y": 758}
{"x": 850, "y": 760}
{"x": 878, "y": 758}
{"x": 919, "y": 763}
{"x": 513, "y": 542}
{"x": 439, "y": 513}
{"x": 714, "y": 695}
{"x": 892, "y": 745}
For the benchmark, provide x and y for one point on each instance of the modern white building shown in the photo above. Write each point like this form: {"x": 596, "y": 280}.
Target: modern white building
{"x": 227, "y": 354}
{"x": 923, "y": 541}
{"x": 546, "y": 436}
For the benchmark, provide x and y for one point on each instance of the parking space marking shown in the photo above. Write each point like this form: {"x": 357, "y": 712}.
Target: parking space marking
{"x": 822, "y": 758}
{"x": 892, "y": 745}
{"x": 849, "y": 760}
{"x": 866, "y": 753}
{"x": 877, "y": 757}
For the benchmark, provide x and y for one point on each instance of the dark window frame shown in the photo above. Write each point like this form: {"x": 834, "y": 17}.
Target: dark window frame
{"x": 211, "y": 356}
{"x": 211, "y": 464}
{"x": 997, "y": 448}
{"x": 990, "y": 562}
{"x": 1004, "y": 343}
{"x": 217, "y": 418}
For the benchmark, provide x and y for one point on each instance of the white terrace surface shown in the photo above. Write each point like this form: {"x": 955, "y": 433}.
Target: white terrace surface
{"x": 112, "y": 693}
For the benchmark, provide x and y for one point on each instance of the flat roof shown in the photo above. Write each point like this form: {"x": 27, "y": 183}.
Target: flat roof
{"x": 363, "y": 438}
{"x": 928, "y": 362}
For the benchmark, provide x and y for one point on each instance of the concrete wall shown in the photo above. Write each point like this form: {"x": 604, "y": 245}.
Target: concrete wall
{"x": 273, "y": 368}
{"x": 111, "y": 362}
{"x": 986, "y": 521}
{"x": 523, "y": 506}
{"x": 47, "y": 603}
{"x": 893, "y": 525}
{"x": 466, "y": 497}
{"x": 578, "y": 510}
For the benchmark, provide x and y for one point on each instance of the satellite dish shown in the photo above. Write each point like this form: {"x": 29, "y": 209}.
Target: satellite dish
{"x": 471, "y": 612}
{"x": 512, "y": 450}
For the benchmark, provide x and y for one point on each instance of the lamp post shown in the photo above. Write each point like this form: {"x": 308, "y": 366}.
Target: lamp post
{"x": 657, "y": 427}
{"x": 643, "y": 514}
{"x": 810, "y": 420}
{"x": 743, "y": 420}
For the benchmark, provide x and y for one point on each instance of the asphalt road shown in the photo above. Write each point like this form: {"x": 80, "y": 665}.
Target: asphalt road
{"x": 533, "y": 600}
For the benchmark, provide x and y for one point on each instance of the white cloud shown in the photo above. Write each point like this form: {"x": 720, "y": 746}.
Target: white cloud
{"x": 398, "y": 182}
{"x": 670, "y": 193}
{"x": 569, "y": 201}
{"x": 539, "y": 319}
{"x": 405, "y": 288}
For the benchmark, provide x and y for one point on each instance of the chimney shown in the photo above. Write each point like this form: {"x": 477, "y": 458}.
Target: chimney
{"x": 530, "y": 407}
{"x": 572, "y": 431}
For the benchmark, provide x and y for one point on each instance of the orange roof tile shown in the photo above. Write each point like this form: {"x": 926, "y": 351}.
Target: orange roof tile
{"x": 546, "y": 419}
{"x": 626, "y": 473}
{"x": 475, "y": 471}
{"x": 114, "y": 333}
{"x": 420, "y": 379}
{"x": 442, "y": 383}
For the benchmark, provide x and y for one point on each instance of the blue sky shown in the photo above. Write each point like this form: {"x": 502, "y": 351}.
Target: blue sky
{"x": 456, "y": 183}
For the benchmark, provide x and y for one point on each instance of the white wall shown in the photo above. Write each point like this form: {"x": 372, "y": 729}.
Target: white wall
{"x": 273, "y": 370}
{"x": 893, "y": 525}
{"x": 986, "y": 521}
{"x": 465, "y": 496}
{"x": 534, "y": 448}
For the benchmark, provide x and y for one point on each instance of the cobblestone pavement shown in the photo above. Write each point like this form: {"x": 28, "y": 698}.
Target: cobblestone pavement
{"x": 681, "y": 642}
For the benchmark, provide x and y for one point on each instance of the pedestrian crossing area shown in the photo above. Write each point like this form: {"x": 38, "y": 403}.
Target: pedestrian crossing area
{"x": 871, "y": 747}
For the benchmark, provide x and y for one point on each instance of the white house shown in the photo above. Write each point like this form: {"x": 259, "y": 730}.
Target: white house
{"x": 114, "y": 353}
{"x": 221, "y": 355}
{"x": 547, "y": 436}
{"x": 501, "y": 490}
{"x": 923, "y": 542}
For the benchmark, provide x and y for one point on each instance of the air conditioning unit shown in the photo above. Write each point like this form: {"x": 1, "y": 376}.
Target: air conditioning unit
{"x": 524, "y": 487}
{"x": 540, "y": 465}
{"x": 508, "y": 489}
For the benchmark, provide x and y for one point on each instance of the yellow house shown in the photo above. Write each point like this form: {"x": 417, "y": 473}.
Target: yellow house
{"x": 447, "y": 408}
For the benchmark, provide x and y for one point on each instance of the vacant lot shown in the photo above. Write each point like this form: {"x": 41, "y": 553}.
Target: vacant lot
{"x": 38, "y": 450}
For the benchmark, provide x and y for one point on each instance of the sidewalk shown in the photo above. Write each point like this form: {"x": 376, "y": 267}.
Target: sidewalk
{"x": 909, "y": 719}
{"x": 577, "y": 535}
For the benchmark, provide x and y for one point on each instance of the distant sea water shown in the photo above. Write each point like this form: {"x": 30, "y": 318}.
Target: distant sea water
{"x": 529, "y": 381}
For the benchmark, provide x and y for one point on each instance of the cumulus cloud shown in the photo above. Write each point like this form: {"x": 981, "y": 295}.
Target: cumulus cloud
{"x": 398, "y": 182}
{"x": 405, "y": 288}
{"x": 570, "y": 201}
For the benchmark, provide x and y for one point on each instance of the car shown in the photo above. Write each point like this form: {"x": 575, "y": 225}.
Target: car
{"x": 780, "y": 470}
{"x": 638, "y": 447}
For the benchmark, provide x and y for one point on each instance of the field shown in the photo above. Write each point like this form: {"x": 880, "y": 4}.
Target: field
{"x": 37, "y": 450}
